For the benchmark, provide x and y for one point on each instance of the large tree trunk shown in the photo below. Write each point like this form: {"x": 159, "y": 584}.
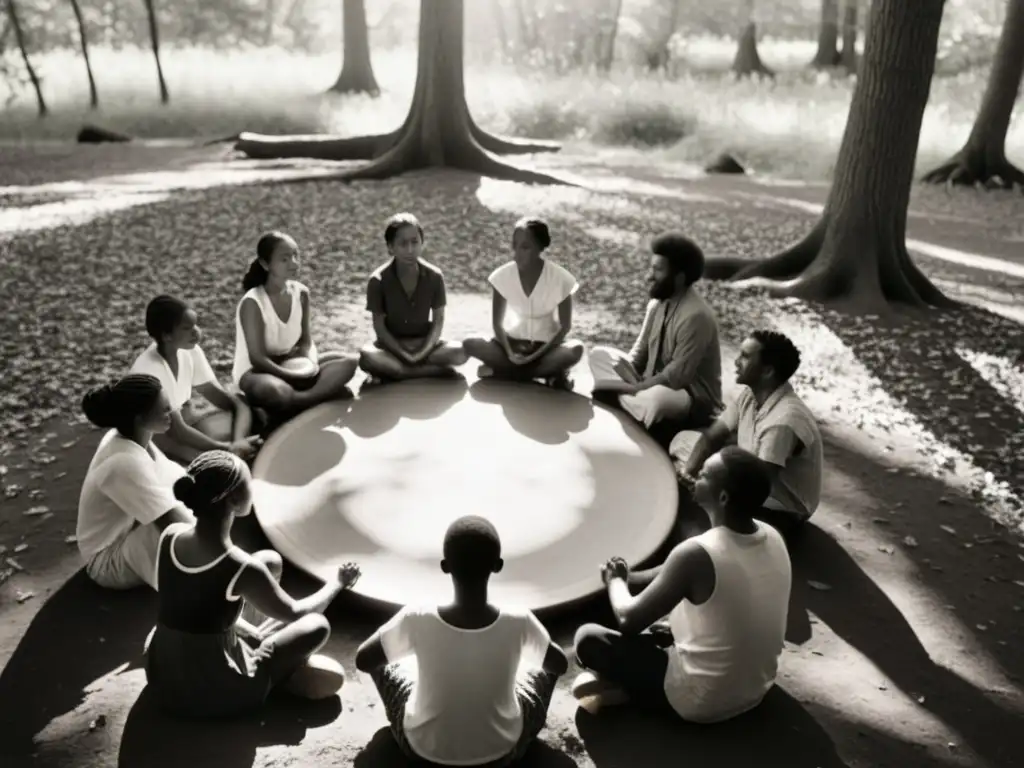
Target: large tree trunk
{"x": 356, "y": 70}
{"x": 154, "y": 38}
{"x": 94, "y": 98}
{"x": 19, "y": 36}
{"x": 748, "y": 61}
{"x": 848, "y": 56}
{"x": 438, "y": 131}
{"x": 828, "y": 36}
{"x": 606, "y": 56}
{"x": 857, "y": 252}
{"x": 982, "y": 160}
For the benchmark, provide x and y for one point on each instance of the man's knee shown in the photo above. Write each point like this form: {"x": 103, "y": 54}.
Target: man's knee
{"x": 273, "y": 561}
{"x": 601, "y": 356}
{"x": 269, "y": 392}
{"x": 476, "y": 346}
{"x": 588, "y": 644}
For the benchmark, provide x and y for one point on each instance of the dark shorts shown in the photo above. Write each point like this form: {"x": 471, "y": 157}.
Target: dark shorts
{"x": 635, "y": 663}
{"x": 533, "y": 691}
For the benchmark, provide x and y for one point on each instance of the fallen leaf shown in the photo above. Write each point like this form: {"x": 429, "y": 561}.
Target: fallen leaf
{"x": 886, "y": 549}
{"x": 819, "y": 585}
{"x": 909, "y": 541}
{"x": 20, "y": 548}
{"x": 22, "y": 597}
{"x": 948, "y": 529}
{"x": 36, "y": 511}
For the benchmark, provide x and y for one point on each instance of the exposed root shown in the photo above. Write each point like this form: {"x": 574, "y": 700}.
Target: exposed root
{"x": 782, "y": 266}
{"x": 969, "y": 168}
{"x": 723, "y": 267}
{"x": 315, "y": 147}
{"x": 487, "y": 165}
{"x": 508, "y": 145}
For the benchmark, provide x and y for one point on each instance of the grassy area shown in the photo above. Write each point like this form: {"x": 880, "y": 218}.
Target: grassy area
{"x": 789, "y": 128}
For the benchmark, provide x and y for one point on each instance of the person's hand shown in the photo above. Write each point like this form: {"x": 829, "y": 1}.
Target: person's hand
{"x": 246, "y": 447}
{"x": 625, "y": 371}
{"x": 517, "y": 359}
{"x": 615, "y": 568}
{"x": 686, "y": 479}
{"x": 348, "y": 575}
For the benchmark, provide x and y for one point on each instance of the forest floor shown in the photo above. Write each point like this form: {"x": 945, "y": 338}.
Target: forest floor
{"x": 905, "y": 645}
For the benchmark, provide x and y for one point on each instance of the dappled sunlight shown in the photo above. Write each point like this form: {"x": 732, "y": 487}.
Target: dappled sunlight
{"x": 839, "y": 388}
{"x": 72, "y": 212}
{"x": 1005, "y": 377}
{"x": 106, "y": 694}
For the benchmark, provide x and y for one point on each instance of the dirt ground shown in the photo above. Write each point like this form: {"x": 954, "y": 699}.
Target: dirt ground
{"x": 905, "y": 645}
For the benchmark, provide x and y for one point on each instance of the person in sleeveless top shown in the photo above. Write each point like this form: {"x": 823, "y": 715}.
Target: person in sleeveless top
{"x": 126, "y": 500}
{"x": 176, "y": 358}
{"x": 726, "y": 594}
{"x": 273, "y": 340}
{"x": 531, "y": 314}
{"x": 407, "y": 298}
{"x": 202, "y": 659}
{"x": 468, "y": 683}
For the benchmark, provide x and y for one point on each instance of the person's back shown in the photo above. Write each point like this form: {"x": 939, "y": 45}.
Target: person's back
{"x": 467, "y": 683}
{"x": 464, "y": 707}
{"x": 727, "y": 648}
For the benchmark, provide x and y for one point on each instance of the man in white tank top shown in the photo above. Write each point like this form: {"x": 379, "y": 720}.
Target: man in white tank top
{"x": 726, "y": 594}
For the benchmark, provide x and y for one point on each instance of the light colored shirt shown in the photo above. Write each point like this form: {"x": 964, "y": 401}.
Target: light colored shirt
{"x": 725, "y": 654}
{"x": 193, "y": 371}
{"x": 784, "y": 432}
{"x": 125, "y": 484}
{"x": 463, "y": 709}
{"x": 279, "y": 336}
{"x": 689, "y": 354}
{"x": 533, "y": 317}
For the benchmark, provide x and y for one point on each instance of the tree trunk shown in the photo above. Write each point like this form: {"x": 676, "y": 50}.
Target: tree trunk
{"x": 857, "y": 252}
{"x": 828, "y": 36}
{"x": 607, "y": 55}
{"x": 19, "y": 36}
{"x": 356, "y": 70}
{"x": 848, "y": 56}
{"x": 982, "y": 160}
{"x": 270, "y": 23}
{"x": 658, "y": 55}
{"x": 154, "y": 38}
{"x": 748, "y": 60}
{"x": 438, "y": 131}
{"x": 499, "y": 23}
{"x": 94, "y": 99}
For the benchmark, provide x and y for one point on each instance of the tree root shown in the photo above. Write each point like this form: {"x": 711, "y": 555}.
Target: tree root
{"x": 315, "y": 147}
{"x": 969, "y": 168}
{"x": 787, "y": 264}
{"x": 508, "y": 145}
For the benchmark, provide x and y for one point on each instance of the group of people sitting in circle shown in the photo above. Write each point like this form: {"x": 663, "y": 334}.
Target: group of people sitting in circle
{"x": 468, "y": 683}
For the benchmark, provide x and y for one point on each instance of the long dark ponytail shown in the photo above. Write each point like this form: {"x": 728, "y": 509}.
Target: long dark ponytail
{"x": 265, "y": 247}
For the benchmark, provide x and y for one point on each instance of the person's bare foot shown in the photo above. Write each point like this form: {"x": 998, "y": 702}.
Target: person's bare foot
{"x": 594, "y": 693}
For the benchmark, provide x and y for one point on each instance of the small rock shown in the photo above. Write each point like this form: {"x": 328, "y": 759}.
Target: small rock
{"x": 72, "y": 539}
{"x": 909, "y": 541}
{"x": 35, "y": 511}
{"x": 21, "y": 597}
{"x": 948, "y": 529}
{"x": 886, "y": 549}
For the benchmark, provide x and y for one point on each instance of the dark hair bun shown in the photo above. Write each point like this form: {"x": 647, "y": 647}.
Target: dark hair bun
{"x": 185, "y": 490}
{"x": 100, "y": 407}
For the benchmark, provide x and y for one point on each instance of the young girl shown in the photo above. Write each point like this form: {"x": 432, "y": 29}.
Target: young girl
{"x": 176, "y": 358}
{"x": 276, "y": 361}
{"x": 202, "y": 660}
{"x": 468, "y": 683}
{"x": 531, "y": 314}
{"x": 126, "y": 498}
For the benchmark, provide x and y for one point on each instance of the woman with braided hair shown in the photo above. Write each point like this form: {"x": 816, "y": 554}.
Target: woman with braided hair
{"x": 202, "y": 659}
{"x": 126, "y": 498}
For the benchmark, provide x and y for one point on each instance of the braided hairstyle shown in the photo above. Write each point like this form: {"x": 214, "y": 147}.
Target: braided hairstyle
{"x": 118, "y": 404}
{"x": 212, "y": 482}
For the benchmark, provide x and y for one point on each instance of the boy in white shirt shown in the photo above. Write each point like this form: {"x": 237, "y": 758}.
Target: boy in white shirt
{"x": 468, "y": 683}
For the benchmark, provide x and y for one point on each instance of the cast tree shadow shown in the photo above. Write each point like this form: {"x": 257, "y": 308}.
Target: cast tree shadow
{"x": 975, "y": 583}
{"x": 81, "y": 634}
{"x": 916, "y": 360}
{"x": 152, "y": 739}
{"x": 383, "y": 752}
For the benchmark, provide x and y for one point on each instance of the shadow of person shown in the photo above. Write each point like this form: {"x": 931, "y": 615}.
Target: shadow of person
{"x": 379, "y": 409}
{"x": 152, "y": 739}
{"x": 382, "y": 752}
{"x": 81, "y": 634}
{"x": 857, "y": 610}
{"x": 541, "y": 414}
{"x": 779, "y": 732}
{"x": 307, "y": 447}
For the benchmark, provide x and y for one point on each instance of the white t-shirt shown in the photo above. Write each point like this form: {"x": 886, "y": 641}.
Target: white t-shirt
{"x": 193, "y": 371}
{"x": 124, "y": 484}
{"x": 533, "y": 317}
{"x": 463, "y": 709}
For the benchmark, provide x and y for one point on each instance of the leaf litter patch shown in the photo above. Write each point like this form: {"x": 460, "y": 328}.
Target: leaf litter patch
{"x": 80, "y": 291}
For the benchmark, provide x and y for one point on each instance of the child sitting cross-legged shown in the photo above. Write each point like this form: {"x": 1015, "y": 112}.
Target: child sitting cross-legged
{"x": 467, "y": 683}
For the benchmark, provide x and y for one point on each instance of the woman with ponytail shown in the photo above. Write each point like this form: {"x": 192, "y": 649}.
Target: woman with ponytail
{"x": 202, "y": 659}
{"x": 176, "y": 358}
{"x": 126, "y": 498}
{"x": 276, "y": 361}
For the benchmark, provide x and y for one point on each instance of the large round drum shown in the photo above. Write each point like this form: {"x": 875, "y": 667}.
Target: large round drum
{"x": 378, "y": 479}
